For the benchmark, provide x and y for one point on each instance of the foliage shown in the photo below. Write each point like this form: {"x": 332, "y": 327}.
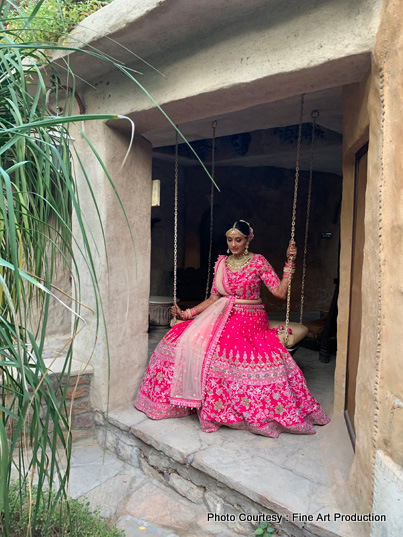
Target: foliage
{"x": 38, "y": 198}
{"x": 81, "y": 522}
{"x": 265, "y": 530}
{"x": 54, "y": 19}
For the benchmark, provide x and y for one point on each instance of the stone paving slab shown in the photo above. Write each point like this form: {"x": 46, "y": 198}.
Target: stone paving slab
{"x": 90, "y": 467}
{"x": 162, "y": 506}
{"x": 184, "y": 430}
{"x": 109, "y": 495}
{"x": 135, "y": 527}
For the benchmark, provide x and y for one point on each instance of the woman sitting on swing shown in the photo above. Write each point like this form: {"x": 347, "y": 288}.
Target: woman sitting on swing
{"x": 224, "y": 361}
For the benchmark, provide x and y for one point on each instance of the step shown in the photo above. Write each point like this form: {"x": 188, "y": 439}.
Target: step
{"x": 300, "y": 481}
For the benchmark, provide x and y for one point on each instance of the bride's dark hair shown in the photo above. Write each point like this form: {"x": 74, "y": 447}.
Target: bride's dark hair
{"x": 241, "y": 226}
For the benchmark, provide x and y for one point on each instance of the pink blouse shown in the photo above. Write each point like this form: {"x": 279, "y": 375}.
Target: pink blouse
{"x": 245, "y": 283}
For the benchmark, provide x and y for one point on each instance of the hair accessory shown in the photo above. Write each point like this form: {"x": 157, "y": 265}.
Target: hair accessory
{"x": 251, "y": 235}
{"x": 233, "y": 230}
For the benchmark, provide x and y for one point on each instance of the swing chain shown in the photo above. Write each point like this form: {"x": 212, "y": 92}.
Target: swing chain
{"x": 176, "y": 222}
{"x": 213, "y": 125}
{"x": 314, "y": 115}
{"x": 294, "y": 213}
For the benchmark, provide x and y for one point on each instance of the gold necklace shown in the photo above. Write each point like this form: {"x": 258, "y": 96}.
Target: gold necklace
{"x": 237, "y": 262}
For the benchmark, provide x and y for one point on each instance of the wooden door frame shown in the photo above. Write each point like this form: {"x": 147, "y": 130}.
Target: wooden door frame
{"x": 358, "y": 155}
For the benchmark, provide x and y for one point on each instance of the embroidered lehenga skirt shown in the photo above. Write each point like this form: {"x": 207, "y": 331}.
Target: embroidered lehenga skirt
{"x": 252, "y": 381}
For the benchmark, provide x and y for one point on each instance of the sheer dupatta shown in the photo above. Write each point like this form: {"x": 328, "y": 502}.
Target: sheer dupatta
{"x": 196, "y": 346}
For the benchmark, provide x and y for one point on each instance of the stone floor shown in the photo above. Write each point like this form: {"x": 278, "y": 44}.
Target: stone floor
{"x": 137, "y": 504}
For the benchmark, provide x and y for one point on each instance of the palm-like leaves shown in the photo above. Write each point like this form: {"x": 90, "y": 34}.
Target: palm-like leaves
{"x": 37, "y": 200}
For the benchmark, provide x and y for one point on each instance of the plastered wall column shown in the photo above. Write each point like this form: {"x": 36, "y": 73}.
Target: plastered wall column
{"x": 122, "y": 268}
{"x": 387, "y": 455}
{"x": 372, "y": 111}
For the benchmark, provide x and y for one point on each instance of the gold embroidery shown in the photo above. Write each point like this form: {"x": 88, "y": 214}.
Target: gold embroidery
{"x": 245, "y": 401}
{"x": 279, "y": 409}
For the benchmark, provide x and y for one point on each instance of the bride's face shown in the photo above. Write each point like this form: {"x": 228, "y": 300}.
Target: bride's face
{"x": 236, "y": 243}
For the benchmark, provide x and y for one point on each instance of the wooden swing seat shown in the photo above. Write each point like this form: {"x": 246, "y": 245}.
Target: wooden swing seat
{"x": 299, "y": 332}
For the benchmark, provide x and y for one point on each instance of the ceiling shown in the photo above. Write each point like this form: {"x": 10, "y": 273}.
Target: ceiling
{"x": 256, "y": 120}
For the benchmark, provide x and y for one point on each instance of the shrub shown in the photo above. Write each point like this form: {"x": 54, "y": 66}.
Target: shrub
{"x": 54, "y": 18}
{"x": 80, "y": 522}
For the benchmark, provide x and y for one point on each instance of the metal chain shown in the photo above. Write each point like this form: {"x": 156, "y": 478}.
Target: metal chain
{"x": 214, "y": 125}
{"x": 294, "y": 213}
{"x": 176, "y": 222}
{"x": 314, "y": 116}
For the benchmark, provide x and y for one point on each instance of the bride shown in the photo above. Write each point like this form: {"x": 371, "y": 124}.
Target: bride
{"x": 224, "y": 361}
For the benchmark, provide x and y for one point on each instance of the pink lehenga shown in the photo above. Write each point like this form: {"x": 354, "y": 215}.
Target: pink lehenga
{"x": 229, "y": 365}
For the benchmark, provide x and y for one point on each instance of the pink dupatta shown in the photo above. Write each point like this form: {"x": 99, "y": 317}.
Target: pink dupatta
{"x": 196, "y": 346}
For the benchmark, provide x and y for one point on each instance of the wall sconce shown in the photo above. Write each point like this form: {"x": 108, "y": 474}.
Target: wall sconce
{"x": 156, "y": 193}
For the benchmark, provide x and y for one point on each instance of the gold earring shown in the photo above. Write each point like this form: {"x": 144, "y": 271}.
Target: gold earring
{"x": 246, "y": 249}
{"x": 227, "y": 250}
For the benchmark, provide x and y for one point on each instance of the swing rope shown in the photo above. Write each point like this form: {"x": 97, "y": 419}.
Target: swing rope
{"x": 214, "y": 125}
{"x": 294, "y": 213}
{"x": 175, "y": 224}
{"x": 314, "y": 116}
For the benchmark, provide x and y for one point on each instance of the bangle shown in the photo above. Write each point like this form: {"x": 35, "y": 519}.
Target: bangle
{"x": 193, "y": 312}
{"x": 188, "y": 314}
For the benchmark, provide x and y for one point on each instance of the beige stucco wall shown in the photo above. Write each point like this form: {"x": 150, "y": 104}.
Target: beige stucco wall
{"x": 389, "y": 56}
{"x": 373, "y": 109}
{"x": 123, "y": 270}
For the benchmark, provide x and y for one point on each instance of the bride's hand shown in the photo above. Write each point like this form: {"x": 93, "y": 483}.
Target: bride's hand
{"x": 292, "y": 250}
{"x": 176, "y": 312}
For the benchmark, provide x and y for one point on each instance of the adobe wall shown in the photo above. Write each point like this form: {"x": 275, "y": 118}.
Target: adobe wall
{"x": 122, "y": 270}
{"x": 387, "y": 455}
{"x": 373, "y": 109}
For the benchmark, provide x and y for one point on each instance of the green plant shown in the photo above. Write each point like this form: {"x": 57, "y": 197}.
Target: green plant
{"x": 81, "y": 522}
{"x": 265, "y": 530}
{"x": 38, "y": 197}
{"x": 53, "y": 19}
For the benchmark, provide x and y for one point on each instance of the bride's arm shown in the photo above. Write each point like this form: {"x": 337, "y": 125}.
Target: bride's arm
{"x": 190, "y": 313}
{"x": 282, "y": 289}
